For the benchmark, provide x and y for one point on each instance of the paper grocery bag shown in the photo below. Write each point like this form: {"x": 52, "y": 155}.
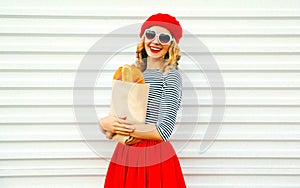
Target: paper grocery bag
{"x": 129, "y": 99}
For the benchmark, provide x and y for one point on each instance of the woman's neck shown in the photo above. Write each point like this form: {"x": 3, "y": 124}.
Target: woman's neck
{"x": 154, "y": 63}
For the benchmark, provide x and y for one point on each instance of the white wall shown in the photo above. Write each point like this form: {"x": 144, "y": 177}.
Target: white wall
{"x": 255, "y": 43}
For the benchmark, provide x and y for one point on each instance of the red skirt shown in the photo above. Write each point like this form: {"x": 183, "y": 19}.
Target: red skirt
{"x": 147, "y": 164}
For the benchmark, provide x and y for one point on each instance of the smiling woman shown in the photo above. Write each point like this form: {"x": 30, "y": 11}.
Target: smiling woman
{"x": 150, "y": 160}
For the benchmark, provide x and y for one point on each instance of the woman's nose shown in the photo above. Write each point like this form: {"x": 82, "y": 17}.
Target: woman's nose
{"x": 155, "y": 40}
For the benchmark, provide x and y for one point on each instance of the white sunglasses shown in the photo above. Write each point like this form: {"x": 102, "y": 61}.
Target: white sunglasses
{"x": 163, "y": 38}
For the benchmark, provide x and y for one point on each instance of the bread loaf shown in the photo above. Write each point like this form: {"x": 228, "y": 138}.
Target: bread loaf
{"x": 129, "y": 73}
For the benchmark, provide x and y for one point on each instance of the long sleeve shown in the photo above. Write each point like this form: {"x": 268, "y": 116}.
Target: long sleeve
{"x": 170, "y": 103}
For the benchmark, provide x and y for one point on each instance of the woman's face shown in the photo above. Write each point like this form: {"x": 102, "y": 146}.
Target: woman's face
{"x": 153, "y": 47}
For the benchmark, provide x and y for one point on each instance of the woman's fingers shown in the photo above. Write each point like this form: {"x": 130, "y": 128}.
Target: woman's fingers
{"x": 106, "y": 122}
{"x": 109, "y": 135}
{"x": 133, "y": 141}
{"x": 125, "y": 122}
{"x": 122, "y": 129}
{"x": 123, "y": 117}
{"x": 111, "y": 125}
{"x": 124, "y": 125}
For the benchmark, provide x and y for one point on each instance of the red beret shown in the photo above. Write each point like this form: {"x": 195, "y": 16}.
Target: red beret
{"x": 164, "y": 20}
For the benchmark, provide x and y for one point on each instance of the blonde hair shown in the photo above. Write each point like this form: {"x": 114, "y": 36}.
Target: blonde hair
{"x": 171, "y": 58}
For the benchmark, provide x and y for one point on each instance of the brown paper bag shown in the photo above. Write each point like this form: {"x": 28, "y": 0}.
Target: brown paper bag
{"x": 130, "y": 100}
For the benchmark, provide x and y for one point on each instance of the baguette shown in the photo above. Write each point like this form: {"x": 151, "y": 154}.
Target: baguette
{"x": 129, "y": 73}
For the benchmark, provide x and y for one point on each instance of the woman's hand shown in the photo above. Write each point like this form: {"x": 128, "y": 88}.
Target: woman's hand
{"x": 115, "y": 125}
{"x": 132, "y": 141}
{"x": 109, "y": 135}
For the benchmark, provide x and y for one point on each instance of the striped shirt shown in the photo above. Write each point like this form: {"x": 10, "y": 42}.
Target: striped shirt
{"x": 164, "y": 99}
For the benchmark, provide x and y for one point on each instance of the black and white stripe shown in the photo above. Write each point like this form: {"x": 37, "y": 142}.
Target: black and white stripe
{"x": 164, "y": 99}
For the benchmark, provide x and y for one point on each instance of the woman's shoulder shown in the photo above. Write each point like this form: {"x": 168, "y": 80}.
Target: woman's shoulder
{"x": 174, "y": 74}
{"x": 173, "y": 79}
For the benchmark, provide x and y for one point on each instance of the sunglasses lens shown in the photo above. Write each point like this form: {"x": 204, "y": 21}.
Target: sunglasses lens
{"x": 163, "y": 38}
{"x": 150, "y": 34}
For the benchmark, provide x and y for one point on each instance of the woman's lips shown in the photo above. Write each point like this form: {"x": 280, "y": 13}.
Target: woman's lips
{"x": 154, "y": 49}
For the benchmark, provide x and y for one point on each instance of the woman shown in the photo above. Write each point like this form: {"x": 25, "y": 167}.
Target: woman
{"x": 149, "y": 160}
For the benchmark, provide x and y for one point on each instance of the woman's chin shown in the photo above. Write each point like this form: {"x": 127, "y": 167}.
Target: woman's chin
{"x": 155, "y": 56}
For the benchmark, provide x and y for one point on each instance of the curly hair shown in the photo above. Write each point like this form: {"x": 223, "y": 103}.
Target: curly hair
{"x": 170, "y": 59}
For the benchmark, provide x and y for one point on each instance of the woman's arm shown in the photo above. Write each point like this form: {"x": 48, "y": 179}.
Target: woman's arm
{"x": 112, "y": 125}
{"x": 146, "y": 131}
{"x": 170, "y": 104}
